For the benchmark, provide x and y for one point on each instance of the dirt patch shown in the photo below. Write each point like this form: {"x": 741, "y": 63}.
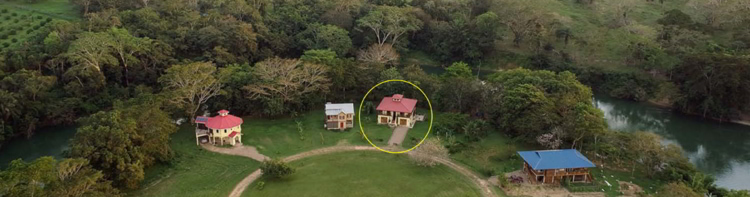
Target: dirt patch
{"x": 629, "y": 189}
{"x": 528, "y": 189}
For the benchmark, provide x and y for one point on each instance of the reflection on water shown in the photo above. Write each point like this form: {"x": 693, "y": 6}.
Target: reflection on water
{"x": 721, "y": 149}
{"x": 47, "y": 142}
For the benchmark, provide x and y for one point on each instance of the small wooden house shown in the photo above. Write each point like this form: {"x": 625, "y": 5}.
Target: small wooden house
{"x": 339, "y": 116}
{"x": 553, "y": 166}
{"x": 221, "y": 129}
{"x": 397, "y": 111}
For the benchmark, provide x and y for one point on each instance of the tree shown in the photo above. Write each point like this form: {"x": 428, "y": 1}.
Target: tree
{"x": 284, "y": 82}
{"x": 125, "y": 47}
{"x": 191, "y": 85}
{"x": 716, "y": 13}
{"x": 521, "y": 17}
{"x": 91, "y": 51}
{"x": 676, "y": 190}
{"x": 378, "y": 54}
{"x": 429, "y": 153}
{"x": 677, "y": 18}
{"x": 276, "y": 168}
{"x": 458, "y": 70}
{"x": 713, "y": 85}
{"x": 619, "y": 10}
{"x": 389, "y": 23}
{"x": 318, "y": 36}
{"x": 46, "y": 176}
{"x": 106, "y": 140}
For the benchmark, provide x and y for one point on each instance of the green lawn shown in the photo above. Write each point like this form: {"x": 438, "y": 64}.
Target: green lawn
{"x": 61, "y": 9}
{"x": 194, "y": 171}
{"x": 281, "y": 137}
{"x": 492, "y": 155}
{"x": 366, "y": 174}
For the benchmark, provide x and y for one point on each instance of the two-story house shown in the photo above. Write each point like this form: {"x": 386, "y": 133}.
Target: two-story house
{"x": 339, "y": 116}
{"x": 397, "y": 110}
{"x": 220, "y": 129}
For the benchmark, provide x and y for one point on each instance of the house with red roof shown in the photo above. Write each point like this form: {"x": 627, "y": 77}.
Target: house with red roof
{"x": 221, "y": 129}
{"x": 397, "y": 111}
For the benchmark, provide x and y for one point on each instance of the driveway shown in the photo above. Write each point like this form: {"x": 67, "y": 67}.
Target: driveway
{"x": 399, "y": 133}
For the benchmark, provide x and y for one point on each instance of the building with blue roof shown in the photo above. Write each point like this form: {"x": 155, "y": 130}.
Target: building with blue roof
{"x": 553, "y": 166}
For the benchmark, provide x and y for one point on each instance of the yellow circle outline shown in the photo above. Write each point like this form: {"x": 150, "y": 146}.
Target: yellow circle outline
{"x": 362, "y": 130}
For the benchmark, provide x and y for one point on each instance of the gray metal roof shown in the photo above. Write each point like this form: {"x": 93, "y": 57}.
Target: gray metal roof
{"x": 336, "y": 108}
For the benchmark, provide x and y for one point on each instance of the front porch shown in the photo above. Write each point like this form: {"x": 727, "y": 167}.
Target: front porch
{"x": 203, "y": 136}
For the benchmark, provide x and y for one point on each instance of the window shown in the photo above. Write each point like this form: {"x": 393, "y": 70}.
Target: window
{"x": 225, "y": 131}
{"x": 217, "y": 131}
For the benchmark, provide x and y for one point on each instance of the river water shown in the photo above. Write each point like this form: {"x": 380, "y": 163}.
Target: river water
{"x": 720, "y": 149}
{"x": 46, "y": 142}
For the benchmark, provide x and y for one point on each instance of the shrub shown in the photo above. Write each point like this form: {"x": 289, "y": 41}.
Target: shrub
{"x": 7, "y": 18}
{"x": 37, "y": 27}
{"x": 12, "y": 32}
{"x": 4, "y": 36}
{"x": 29, "y": 31}
{"x": 14, "y": 14}
{"x": 260, "y": 185}
{"x": 39, "y": 17}
{"x": 276, "y": 168}
{"x": 15, "y": 20}
{"x": 6, "y": 44}
{"x": 5, "y": 10}
{"x": 503, "y": 181}
{"x": 48, "y": 19}
{"x": 14, "y": 40}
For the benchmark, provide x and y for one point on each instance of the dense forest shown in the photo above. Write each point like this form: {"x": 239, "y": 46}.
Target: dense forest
{"x": 131, "y": 63}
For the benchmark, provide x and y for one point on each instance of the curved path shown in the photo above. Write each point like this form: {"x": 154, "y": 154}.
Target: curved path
{"x": 485, "y": 187}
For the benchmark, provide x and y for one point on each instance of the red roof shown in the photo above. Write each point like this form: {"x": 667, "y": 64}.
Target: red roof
{"x": 406, "y": 105}
{"x": 233, "y": 134}
{"x": 222, "y": 122}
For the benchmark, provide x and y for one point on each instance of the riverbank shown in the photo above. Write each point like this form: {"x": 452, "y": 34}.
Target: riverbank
{"x": 665, "y": 104}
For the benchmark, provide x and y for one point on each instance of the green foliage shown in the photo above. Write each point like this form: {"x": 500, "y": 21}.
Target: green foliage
{"x": 458, "y": 70}
{"x": 677, "y": 190}
{"x": 276, "y": 169}
{"x": 124, "y": 141}
{"x": 713, "y": 85}
{"x": 319, "y": 36}
{"x": 46, "y": 176}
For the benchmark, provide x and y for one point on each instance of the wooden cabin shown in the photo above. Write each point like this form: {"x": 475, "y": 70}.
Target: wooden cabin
{"x": 339, "y": 116}
{"x": 554, "y": 166}
{"x": 397, "y": 111}
{"x": 218, "y": 130}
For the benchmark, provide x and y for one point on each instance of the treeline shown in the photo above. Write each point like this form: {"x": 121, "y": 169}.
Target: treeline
{"x": 130, "y": 67}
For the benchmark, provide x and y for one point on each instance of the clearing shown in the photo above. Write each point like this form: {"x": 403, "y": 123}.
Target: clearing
{"x": 367, "y": 174}
{"x": 195, "y": 171}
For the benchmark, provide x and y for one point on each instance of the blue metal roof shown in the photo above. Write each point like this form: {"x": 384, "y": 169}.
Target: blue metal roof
{"x": 555, "y": 159}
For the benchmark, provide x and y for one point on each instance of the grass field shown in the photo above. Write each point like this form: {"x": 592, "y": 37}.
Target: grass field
{"x": 493, "y": 155}
{"x": 281, "y": 137}
{"x": 20, "y": 20}
{"x": 61, "y": 9}
{"x": 194, "y": 171}
{"x": 366, "y": 174}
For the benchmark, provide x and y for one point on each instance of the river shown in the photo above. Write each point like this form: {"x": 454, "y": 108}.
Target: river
{"x": 719, "y": 149}
{"x": 46, "y": 142}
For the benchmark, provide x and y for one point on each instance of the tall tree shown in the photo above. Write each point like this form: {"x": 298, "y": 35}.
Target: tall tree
{"x": 284, "y": 82}
{"x": 389, "y": 23}
{"x": 46, "y": 176}
{"x": 91, "y": 51}
{"x": 191, "y": 85}
{"x": 521, "y": 17}
{"x": 713, "y": 85}
{"x": 125, "y": 47}
{"x": 318, "y": 36}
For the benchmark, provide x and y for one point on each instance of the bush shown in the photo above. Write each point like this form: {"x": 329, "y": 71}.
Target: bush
{"x": 29, "y": 31}
{"x": 14, "y": 14}
{"x": 276, "y": 168}
{"x": 7, "y": 18}
{"x": 12, "y": 32}
{"x": 37, "y": 27}
{"x": 4, "y": 36}
{"x": 48, "y": 19}
{"x": 503, "y": 181}
{"x": 39, "y": 17}
{"x": 5, "y": 10}
{"x": 6, "y": 44}
{"x": 260, "y": 185}
{"x": 14, "y": 40}
{"x": 15, "y": 20}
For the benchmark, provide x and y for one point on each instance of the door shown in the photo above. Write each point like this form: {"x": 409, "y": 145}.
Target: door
{"x": 341, "y": 124}
{"x": 383, "y": 120}
{"x": 403, "y": 122}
